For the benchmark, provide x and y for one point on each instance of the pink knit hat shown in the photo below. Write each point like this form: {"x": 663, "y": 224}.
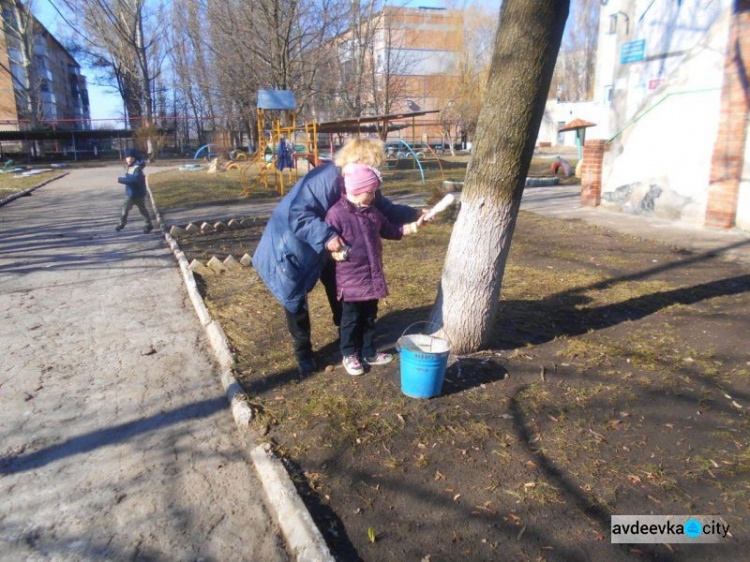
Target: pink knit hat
{"x": 359, "y": 178}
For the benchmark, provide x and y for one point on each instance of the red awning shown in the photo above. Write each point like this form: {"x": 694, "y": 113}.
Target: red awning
{"x": 576, "y": 124}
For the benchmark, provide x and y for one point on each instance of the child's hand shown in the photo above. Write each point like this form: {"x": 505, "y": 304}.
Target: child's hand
{"x": 423, "y": 218}
{"x": 335, "y": 244}
{"x": 342, "y": 254}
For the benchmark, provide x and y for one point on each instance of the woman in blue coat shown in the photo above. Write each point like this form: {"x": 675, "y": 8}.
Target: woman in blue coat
{"x": 292, "y": 253}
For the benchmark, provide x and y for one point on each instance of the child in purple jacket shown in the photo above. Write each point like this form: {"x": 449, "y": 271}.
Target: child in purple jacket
{"x": 360, "y": 280}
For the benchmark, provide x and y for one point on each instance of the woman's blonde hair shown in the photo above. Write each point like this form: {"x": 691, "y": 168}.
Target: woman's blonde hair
{"x": 367, "y": 151}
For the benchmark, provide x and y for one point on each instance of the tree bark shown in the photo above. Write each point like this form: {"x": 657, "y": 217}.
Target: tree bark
{"x": 526, "y": 46}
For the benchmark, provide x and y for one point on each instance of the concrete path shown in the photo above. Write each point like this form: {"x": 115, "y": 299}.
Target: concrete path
{"x": 116, "y": 440}
{"x": 563, "y": 202}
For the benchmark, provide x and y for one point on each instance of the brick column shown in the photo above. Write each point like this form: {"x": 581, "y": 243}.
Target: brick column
{"x": 729, "y": 148}
{"x": 591, "y": 182}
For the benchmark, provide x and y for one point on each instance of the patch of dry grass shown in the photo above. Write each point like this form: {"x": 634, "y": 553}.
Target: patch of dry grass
{"x": 10, "y": 184}
{"x": 174, "y": 189}
{"x": 629, "y": 414}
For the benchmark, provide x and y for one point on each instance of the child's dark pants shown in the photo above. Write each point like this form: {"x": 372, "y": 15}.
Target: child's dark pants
{"x": 139, "y": 202}
{"x": 358, "y": 327}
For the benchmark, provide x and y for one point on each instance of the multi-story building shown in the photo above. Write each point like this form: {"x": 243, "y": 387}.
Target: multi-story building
{"x": 41, "y": 85}
{"x": 411, "y": 60}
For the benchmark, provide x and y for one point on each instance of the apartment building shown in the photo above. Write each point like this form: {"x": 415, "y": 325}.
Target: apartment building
{"x": 414, "y": 49}
{"x": 41, "y": 85}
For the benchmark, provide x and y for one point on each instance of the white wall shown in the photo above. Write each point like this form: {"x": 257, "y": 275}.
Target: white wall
{"x": 556, "y": 112}
{"x": 665, "y": 109}
{"x": 743, "y": 205}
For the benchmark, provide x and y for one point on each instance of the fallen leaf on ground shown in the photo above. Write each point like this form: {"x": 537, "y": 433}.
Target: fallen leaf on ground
{"x": 513, "y": 517}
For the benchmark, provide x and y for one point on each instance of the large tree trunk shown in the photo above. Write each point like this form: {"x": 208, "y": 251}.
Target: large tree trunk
{"x": 526, "y": 45}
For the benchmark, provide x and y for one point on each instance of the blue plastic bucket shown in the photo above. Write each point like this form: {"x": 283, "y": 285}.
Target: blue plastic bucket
{"x": 424, "y": 359}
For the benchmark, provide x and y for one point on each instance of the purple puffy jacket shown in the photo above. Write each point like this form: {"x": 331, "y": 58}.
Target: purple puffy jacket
{"x": 361, "y": 277}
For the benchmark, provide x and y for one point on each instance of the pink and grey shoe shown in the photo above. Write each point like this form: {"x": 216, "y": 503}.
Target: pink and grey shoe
{"x": 379, "y": 359}
{"x": 352, "y": 365}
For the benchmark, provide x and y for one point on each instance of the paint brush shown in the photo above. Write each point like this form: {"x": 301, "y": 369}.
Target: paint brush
{"x": 441, "y": 206}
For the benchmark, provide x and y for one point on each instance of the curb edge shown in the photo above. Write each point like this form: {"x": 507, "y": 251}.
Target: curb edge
{"x": 303, "y": 538}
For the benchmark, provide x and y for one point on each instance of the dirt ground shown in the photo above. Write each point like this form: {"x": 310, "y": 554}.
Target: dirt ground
{"x": 618, "y": 382}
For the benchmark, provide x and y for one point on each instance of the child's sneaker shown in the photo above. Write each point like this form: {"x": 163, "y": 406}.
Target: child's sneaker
{"x": 148, "y": 228}
{"x": 119, "y": 227}
{"x": 379, "y": 359}
{"x": 352, "y": 365}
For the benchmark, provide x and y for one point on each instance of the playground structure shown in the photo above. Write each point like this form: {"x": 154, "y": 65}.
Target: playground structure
{"x": 283, "y": 142}
{"x": 279, "y": 144}
{"x": 424, "y": 152}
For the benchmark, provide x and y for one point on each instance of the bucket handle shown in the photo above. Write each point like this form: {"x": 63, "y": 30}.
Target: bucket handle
{"x": 410, "y": 326}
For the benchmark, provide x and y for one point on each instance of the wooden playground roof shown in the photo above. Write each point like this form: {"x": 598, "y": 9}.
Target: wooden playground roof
{"x": 356, "y": 124}
{"x": 575, "y": 124}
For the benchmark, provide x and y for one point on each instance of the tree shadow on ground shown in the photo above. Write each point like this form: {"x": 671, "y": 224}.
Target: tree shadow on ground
{"x": 657, "y": 406}
{"x": 521, "y": 322}
{"x": 110, "y": 435}
{"x": 325, "y": 518}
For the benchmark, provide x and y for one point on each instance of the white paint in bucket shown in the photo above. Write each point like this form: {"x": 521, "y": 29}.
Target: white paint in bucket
{"x": 424, "y": 343}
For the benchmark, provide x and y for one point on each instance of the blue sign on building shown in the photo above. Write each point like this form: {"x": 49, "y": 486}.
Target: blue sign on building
{"x": 633, "y": 51}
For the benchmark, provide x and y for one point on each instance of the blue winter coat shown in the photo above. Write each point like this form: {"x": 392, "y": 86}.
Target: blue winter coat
{"x": 292, "y": 248}
{"x": 134, "y": 180}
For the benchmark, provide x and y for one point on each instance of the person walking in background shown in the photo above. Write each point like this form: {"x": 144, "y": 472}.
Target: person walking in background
{"x": 135, "y": 190}
{"x": 360, "y": 280}
{"x": 291, "y": 255}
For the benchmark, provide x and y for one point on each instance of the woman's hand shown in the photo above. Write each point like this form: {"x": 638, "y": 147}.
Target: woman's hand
{"x": 335, "y": 244}
{"x": 422, "y": 220}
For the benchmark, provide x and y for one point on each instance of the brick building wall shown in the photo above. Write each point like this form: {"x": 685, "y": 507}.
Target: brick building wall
{"x": 56, "y": 74}
{"x": 8, "y": 111}
{"x": 728, "y": 156}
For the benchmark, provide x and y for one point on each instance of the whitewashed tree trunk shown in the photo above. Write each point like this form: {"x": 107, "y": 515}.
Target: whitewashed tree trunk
{"x": 526, "y": 46}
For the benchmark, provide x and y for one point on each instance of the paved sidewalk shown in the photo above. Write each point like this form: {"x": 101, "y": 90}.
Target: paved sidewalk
{"x": 116, "y": 440}
{"x": 563, "y": 202}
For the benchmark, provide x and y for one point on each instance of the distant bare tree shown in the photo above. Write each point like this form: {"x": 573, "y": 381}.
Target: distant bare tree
{"x": 123, "y": 38}
{"x": 194, "y": 83}
{"x": 576, "y": 66}
{"x": 460, "y": 99}
{"x": 390, "y": 66}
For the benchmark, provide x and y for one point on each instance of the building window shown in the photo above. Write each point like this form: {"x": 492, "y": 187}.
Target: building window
{"x": 612, "y": 24}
